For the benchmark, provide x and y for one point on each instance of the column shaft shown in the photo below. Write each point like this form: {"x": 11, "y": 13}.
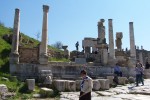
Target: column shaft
{"x": 132, "y": 41}
{"x": 111, "y": 39}
{"x": 16, "y": 29}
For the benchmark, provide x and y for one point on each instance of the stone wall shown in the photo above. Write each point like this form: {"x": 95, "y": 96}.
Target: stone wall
{"x": 28, "y": 55}
{"x": 62, "y": 70}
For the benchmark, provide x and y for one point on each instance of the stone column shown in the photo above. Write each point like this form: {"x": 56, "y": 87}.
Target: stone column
{"x": 111, "y": 40}
{"x": 141, "y": 57}
{"x": 14, "y": 55}
{"x": 132, "y": 41}
{"x": 132, "y": 60}
{"x": 43, "y": 46}
{"x": 101, "y": 31}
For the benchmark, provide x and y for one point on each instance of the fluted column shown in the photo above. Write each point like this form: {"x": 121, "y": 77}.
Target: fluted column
{"x": 14, "y": 55}
{"x": 111, "y": 40}
{"x": 132, "y": 41}
{"x": 43, "y": 45}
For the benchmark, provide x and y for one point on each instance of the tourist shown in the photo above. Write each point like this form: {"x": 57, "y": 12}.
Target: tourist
{"x": 139, "y": 73}
{"x": 117, "y": 70}
{"x": 77, "y": 46}
{"x": 147, "y": 65}
{"x": 86, "y": 86}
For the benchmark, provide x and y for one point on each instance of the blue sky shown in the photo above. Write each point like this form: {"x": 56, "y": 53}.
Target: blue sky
{"x": 70, "y": 21}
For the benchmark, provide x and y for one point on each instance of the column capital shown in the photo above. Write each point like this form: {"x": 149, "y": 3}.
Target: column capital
{"x": 45, "y": 8}
{"x": 17, "y": 10}
{"x": 110, "y": 19}
{"x": 130, "y": 22}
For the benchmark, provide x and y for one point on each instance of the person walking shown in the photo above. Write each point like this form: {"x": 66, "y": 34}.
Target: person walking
{"x": 86, "y": 86}
{"x": 139, "y": 73}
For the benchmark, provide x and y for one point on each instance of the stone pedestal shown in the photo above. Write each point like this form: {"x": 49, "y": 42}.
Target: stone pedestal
{"x": 111, "y": 78}
{"x": 78, "y": 84}
{"x": 80, "y": 60}
{"x": 132, "y": 62}
{"x": 104, "y": 84}
{"x": 31, "y": 84}
{"x": 71, "y": 86}
{"x": 3, "y": 89}
{"x": 131, "y": 79}
{"x": 60, "y": 85}
{"x": 122, "y": 80}
{"x": 147, "y": 73}
{"x": 96, "y": 85}
{"x": 46, "y": 92}
{"x": 43, "y": 59}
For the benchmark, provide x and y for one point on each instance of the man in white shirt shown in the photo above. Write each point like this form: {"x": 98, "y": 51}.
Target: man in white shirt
{"x": 86, "y": 86}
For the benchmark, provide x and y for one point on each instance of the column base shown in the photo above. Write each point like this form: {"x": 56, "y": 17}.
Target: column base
{"x": 132, "y": 62}
{"x": 43, "y": 59}
{"x": 14, "y": 58}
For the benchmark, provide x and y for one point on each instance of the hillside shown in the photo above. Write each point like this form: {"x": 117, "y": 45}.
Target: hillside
{"x": 5, "y": 46}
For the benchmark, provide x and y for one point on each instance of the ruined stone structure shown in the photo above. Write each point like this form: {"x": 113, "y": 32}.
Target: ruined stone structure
{"x": 102, "y": 55}
{"x": 119, "y": 37}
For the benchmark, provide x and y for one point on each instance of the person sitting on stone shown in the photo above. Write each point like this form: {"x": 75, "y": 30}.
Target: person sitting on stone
{"x": 117, "y": 70}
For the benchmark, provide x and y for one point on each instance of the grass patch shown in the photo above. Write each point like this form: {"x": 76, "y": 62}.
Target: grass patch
{"x": 59, "y": 59}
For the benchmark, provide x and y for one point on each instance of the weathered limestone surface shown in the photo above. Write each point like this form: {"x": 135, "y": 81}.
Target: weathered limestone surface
{"x": 14, "y": 55}
{"x": 122, "y": 80}
{"x": 43, "y": 46}
{"x": 101, "y": 30}
{"x": 127, "y": 92}
{"x": 48, "y": 80}
{"x": 60, "y": 85}
{"x": 3, "y": 89}
{"x": 147, "y": 73}
{"x": 111, "y": 40}
{"x": 80, "y": 60}
{"x": 104, "y": 83}
{"x": 71, "y": 86}
{"x": 96, "y": 85}
{"x": 132, "y": 41}
{"x": 78, "y": 84}
{"x": 31, "y": 84}
{"x": 110, "y": 79}
{"x": 131, "y": 79}
{"x": 45, "y": 92}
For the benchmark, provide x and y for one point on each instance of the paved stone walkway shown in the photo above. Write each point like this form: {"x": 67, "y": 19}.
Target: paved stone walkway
{"x": 127, "y": 92}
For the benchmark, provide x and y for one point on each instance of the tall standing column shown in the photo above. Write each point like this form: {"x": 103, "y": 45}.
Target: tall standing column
{"x": 43, "y": 46}
{"x": 132, "y": 42}
{"x": 14, "y": 55}
{"x": 111, "y": 40}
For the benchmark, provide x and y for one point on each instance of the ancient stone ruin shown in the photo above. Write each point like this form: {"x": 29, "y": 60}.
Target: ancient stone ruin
{"x": 97, "y": 57}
